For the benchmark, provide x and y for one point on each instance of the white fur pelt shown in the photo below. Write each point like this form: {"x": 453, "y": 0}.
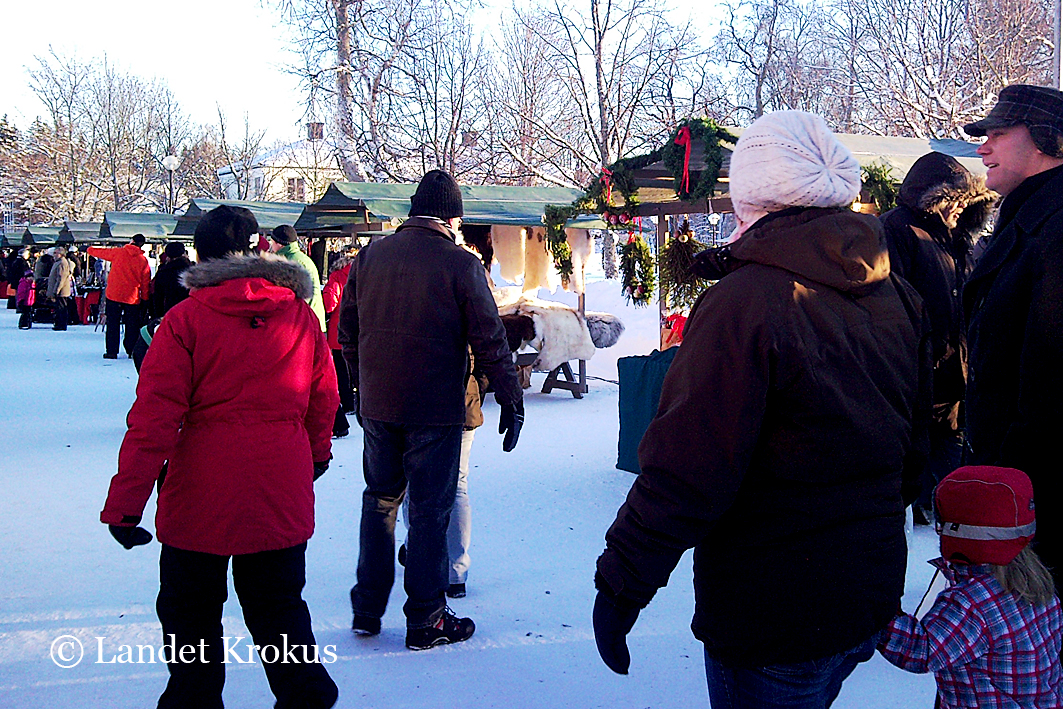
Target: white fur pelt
{"x": 539, "y": 271}
{"x": 560, "y": 334}
{"x": 582, "y": 244}
{"x": 605, "y": 329}
{"x": 508, "y": 242}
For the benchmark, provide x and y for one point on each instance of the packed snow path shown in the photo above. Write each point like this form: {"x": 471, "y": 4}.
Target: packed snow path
{"x": 539, "y": 517}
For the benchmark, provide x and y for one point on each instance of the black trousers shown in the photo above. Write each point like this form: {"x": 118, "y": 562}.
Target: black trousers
{"x": 269, "y": 584}
{"x": 62, "y": 313}
{"x": 341, "y": 426}
{"x": 119, "y": 314}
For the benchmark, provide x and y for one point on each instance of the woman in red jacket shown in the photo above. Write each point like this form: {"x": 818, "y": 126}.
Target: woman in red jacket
{"x": 237, "y": 392}
{"x": 331, "y": 295}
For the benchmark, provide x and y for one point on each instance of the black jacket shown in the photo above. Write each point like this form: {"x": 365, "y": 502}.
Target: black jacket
{"x": 935, "y": 261}
{"x": 167, "y": 290}
{"x": 414, "y": 303}
{"x": 794, "y": 410}
{"x": 1014, "y": 301}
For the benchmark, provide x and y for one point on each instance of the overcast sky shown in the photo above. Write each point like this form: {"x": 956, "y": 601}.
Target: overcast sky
{"x": 230, "y": 52}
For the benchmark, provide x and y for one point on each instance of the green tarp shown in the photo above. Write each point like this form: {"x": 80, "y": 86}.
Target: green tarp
{"x": 268, "y": 214}
{"x": 353, "y": 203}
{"x": 40, "y": 236}
{"x": 123, "y": 225}
{"x": 79, "y": 232}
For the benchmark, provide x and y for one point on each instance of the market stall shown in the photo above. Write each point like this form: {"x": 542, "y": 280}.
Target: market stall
{"x": 515, "y": 216}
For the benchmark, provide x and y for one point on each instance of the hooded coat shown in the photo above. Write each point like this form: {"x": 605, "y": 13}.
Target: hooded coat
{"x": 792, "y": 414}
{"x": 238, "y": 392}
{"x": 935, "y": 260}
{"x": 129, "y": 280}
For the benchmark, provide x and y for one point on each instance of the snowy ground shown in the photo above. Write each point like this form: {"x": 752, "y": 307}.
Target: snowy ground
{"x": 540, "y": 514}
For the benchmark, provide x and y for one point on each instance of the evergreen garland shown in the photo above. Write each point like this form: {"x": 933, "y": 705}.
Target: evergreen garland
{"x": 678, "y": 285}
{"x": 703, "y": 184}
{"x": 879, "y": 183}
{"x": 614, "y": 195}
{"x": 636, "y": 270}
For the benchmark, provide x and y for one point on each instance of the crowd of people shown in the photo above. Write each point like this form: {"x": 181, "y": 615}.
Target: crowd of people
{"x": 843, "y": 368}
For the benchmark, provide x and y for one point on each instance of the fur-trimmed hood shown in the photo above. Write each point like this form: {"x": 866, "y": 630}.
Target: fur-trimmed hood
{"x": 277, "y": 270}
{"x": 936, "y": 178}
{"x": 339, "y": 264}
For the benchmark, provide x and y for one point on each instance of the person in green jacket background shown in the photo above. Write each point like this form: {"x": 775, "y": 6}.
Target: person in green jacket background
{"x": 286, "y": 244}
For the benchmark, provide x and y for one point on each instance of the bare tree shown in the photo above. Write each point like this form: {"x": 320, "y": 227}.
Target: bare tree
{"x": 929, "y": 66}
{"x": 239, "y": 154}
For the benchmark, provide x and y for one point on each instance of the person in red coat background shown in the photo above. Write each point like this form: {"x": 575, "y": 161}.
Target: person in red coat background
{"x": 331, "y": 295}
{"x": 237, "y": 392}
{"x": 128, "y": 285}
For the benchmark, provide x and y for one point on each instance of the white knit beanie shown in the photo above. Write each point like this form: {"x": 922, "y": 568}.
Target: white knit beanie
{"x": 790, "y": 159}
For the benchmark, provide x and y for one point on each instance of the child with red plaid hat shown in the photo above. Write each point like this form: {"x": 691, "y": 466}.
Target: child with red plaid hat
{"x": 992, "y": 638}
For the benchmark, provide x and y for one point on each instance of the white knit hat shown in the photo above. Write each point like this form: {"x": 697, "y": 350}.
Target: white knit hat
{"x": 790, "y": 159}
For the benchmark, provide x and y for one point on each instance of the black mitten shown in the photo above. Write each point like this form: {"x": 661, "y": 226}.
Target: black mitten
{"x": 320, "y": 468}
{"x": 128, "y": 534}
{"x": 612, "y": 623}
{"x": 510, "y": 422}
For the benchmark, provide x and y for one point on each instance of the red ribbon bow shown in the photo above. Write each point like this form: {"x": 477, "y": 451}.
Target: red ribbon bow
{"x": 684, "y": 139}
{"x": 607, "y": 180}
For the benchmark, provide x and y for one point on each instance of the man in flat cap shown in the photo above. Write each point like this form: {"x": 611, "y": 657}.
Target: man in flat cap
{"x": 1014, "y": 304}
{"x": 414, "y": 304}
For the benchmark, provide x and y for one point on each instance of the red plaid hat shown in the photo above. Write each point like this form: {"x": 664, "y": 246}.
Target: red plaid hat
{"x": 985, "y": 514}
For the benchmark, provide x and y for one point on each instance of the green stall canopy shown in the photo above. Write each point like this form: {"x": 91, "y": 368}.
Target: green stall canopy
{"x": 40, "y": 236}
{"x": 123, "y": 225}
{"x": 79, "y": 232}
{"x": 348, "y": 206}
{"x": 268, "y": 214}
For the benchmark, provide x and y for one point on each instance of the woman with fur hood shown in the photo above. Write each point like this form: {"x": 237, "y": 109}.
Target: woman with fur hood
{"x": 943, "y": 209}
{"x": 237, "y": 392}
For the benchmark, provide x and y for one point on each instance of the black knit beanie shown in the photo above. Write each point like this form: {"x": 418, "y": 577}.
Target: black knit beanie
{"x": 284, "y": 234}
{"x": 437, "y": 195}
{"x": 224, "y": 230}
{"x": 174, "y": 249}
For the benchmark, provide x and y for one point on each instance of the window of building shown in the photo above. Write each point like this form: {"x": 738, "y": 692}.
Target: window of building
{"x": 296, "y": 189}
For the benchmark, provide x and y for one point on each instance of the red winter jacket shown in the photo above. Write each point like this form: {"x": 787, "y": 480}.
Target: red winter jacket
{"x": 130, "y": 278}
{"x": 331, "y": 295}
{"x": 238, "y": 392}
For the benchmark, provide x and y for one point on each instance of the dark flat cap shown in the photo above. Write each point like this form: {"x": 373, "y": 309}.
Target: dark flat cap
{"x": 1034, "y": 106}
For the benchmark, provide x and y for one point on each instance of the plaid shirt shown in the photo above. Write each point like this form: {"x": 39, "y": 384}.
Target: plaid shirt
{"x": 987, "y": 648}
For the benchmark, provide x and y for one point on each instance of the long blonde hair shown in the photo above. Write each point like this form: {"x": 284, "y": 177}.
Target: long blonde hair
{"x": 1027, "y": 577}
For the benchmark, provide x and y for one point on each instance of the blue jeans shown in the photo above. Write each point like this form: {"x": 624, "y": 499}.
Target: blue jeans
{"x": 804, "y": 685}
{"x": 422, "y": 460}
{"x": 459, "y": 531}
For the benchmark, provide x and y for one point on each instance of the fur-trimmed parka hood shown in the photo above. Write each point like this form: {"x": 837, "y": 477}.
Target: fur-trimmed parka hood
{"x": 277, "y": 270}
{"x": 936, "y": 179}
{"x": 339, "y": 264}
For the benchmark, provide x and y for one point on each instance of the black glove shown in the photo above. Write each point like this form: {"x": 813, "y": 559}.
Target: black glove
{"x": 130, "y": 536}
{"x": 320, "y": 468}
{"x": 612, "y": 623}
{"x": 509, "y": 423}
{"x": 357, "y": 409}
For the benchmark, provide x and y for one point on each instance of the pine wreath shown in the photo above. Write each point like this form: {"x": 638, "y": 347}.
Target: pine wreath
{"x": 703, "y": 183}
{"x": 678, "y": 285}
{"x": 636, "y": 271}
